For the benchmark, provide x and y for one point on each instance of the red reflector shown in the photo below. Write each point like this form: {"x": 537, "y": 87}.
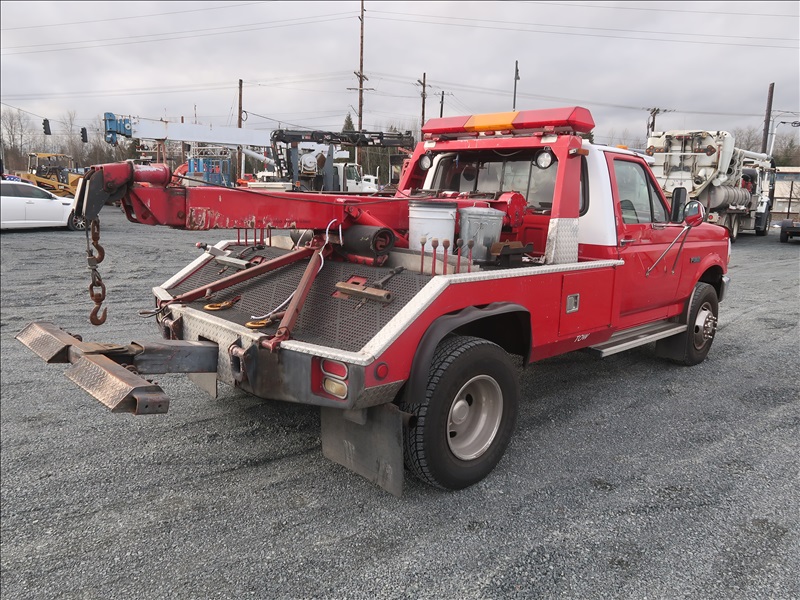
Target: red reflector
{"x": 381, "y": 371}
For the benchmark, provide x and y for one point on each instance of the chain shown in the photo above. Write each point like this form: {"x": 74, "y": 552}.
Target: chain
{"x": 97, "y": 289}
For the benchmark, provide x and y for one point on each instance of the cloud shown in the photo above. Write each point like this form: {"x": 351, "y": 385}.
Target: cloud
{"x": 705, "y": 64}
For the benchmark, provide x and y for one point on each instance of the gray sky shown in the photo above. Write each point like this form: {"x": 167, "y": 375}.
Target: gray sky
{"x": 706, "y": 65}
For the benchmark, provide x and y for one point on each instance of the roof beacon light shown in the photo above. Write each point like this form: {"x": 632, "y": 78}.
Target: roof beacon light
{"x": 571, "y": 119}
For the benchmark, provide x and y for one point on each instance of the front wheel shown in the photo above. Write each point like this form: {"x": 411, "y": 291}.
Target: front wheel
{"x": 734, "y": 230}
{"x": 465, "y": 420}
{"x": 76, "y": 222}
{"x": 692, "y": 346}
{"x": 767, "y": 225}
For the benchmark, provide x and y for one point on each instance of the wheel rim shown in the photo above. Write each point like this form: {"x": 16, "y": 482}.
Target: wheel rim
{"x": 474, "y": 417}
{"x": 705, "y": 325}
{"x": 79, "y": 223}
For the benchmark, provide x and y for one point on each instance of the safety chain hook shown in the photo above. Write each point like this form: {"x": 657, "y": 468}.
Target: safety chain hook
{"x": 97, "y": 289}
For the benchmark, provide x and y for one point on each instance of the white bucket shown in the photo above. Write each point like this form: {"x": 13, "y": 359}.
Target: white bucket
{"x": 482, "y": 226}
{"x": 431, "y": 220}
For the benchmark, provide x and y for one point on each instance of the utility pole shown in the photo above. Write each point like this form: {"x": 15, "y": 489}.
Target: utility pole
{"x": 767, "y": 119}
{"x": 239, "y": 157}
{"x": 651, "y": 122}
{"x": 424, "y": 96}
{"x": 361, "y": 79}
{"x": 441, "y": 106}
{"x": 516, "y": 79}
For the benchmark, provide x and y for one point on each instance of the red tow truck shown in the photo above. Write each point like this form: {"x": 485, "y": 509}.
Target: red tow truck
{"x": 508, "y": 234}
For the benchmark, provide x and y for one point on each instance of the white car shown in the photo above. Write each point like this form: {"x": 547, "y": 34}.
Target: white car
{"x": 25, "y": 206}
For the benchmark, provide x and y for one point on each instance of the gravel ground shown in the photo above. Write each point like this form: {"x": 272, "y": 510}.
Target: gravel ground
{"x": 627, "y": 477}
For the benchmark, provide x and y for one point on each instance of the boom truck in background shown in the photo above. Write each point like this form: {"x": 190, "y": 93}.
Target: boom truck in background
{"x": 509, "y": 234}
{"x": 319, "y": 160}
{"x": 735, "y": 186}
{"x": 210, "y": 145}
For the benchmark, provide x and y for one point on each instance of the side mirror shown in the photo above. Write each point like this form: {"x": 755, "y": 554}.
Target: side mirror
{"x": 678, "y": 202}
{"x": 694, "y": 213}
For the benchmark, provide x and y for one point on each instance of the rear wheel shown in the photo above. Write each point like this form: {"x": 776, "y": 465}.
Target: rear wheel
{"x": 465, "y": 420}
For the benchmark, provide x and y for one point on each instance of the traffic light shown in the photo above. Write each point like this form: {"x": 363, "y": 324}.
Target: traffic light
{"x": 46, "y": 126}
{"x": 84, "y": 135}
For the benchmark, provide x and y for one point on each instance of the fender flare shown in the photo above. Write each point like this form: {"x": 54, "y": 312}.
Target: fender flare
{"x": 446, "y": 324}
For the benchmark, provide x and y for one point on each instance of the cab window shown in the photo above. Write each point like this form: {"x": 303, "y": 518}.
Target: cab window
{"x": 491, "y": 172}
{"x": 639, "y": 201}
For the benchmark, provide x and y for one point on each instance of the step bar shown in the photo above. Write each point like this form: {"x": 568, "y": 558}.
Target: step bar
{"x": 637, "y": 336}
{"x": 112, "y": 373}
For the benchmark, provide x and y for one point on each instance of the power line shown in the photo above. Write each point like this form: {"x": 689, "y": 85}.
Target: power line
{"x": 180, "y": 36}
{"x": 450, "y": 24}
{"x": 747, "y": 14}
{"x": 706, "y": 35}
{"x": 129, "y": 17}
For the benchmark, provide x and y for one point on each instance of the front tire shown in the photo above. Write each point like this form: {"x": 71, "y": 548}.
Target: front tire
{"x": 734, "y": 230}
{"x": 767, "y": 225}
{"x": 76, "y": 222}
{"x": 692, "y": 346}
{"x": 466, "y": 418}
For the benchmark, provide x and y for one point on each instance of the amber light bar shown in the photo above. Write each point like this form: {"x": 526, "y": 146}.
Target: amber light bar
{"x": 575, "y": 118}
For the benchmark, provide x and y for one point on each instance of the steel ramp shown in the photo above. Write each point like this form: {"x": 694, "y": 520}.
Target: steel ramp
{"x": 111, "y": 373}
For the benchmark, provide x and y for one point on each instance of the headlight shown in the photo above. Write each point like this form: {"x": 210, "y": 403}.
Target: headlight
{"x": 425, "y": 161}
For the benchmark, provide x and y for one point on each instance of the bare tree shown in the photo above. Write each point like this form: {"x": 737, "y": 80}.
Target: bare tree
{"x": 15, "y": 133}
{"x": 747, "y": 139}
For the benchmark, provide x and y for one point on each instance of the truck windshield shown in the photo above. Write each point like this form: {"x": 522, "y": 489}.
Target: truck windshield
{"x": 488, "y": 173}
{"x": 352, "y": 174}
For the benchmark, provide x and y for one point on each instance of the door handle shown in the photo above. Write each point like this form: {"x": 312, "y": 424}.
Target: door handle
{"x": 626, "y": 241}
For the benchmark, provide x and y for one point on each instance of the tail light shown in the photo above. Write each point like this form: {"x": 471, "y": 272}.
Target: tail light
{"x": 330, "y": 378}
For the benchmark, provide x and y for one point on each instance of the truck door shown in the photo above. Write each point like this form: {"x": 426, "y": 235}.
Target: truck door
{"x": 42, "y": 207}
{"x": 643, "y": 233}
{"x": 353, "y": 178}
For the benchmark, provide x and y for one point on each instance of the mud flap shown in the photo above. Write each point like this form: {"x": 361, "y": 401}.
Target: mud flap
{"x": 367, "y": 441}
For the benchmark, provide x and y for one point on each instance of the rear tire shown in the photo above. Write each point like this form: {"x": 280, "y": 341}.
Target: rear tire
{"x": 465, "y": 420}
{"x": 784, "y": 237}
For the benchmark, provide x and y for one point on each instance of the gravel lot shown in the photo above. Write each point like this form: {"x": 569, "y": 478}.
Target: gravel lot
{"x": 627, "y": 477}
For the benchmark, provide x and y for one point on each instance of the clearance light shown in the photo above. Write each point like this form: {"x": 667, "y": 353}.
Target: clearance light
{"x": 575, "y": 119}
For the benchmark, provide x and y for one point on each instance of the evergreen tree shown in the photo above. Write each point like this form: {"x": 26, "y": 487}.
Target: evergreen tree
{"x": 348, "y": 124}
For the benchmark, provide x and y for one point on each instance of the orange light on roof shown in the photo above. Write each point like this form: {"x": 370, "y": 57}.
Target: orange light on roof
{"x": 491, "y": 121}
